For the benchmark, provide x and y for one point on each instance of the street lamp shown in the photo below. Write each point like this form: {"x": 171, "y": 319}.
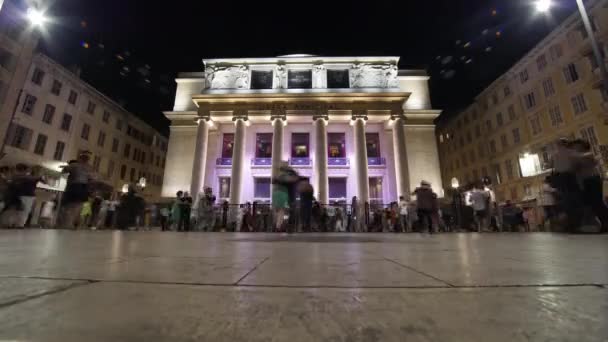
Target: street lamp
{"x": 35, "y": 17}
{"x": 457, "y": 201}
{"x": 545, "y": 5}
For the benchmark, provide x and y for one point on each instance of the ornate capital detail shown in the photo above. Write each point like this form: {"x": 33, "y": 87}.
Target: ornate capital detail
{"x": 240, "y": 114}
{"x": 278, "y": 111}
{"x": 359, "y": 114}
{"x": 321, "y": 112}
{"x": 397, "y": 114}
{"x": 203, "y": 114}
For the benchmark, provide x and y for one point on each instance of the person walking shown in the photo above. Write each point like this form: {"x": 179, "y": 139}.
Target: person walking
{"x": 591, "y": 182}
{"x": 283, "y": 196}
{"x": 164, "y": 218}
{"x": 306, "y": 197}
{"x": 186, "y": 211}
{"x": 549, "y": 203}
{"x": 80, "y": 174}
{"x": 22, "y": 193}
{"x": 176, "y": 214}
{"x": 86, "y": 212}
{"x": 480, "y": 201}
{"x": 404, "y": 224}
{"x": 564, "y": 177}
{"x": 426, "y": 203}
{"x": 205, "y": 219}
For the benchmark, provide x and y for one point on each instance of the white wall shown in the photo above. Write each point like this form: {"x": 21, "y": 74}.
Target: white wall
{"x": 185, "y": 89}
{"x": 418, "y": 86}
{"x": 422, "y": 157}
{"x": 180, "y": 158}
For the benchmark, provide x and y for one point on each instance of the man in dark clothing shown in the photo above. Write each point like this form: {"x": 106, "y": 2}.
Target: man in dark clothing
{"x": 426, "y": 201}
{"x": 185, "y": 210}
{"x": 306, "y": 198}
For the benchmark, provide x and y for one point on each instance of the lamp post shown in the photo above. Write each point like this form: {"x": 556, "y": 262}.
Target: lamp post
{"x": 456, "y": 201}
{"x": 37, "y": 19}
{"x": 544, "y": 6}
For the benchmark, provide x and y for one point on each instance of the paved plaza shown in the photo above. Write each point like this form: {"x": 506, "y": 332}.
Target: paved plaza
{"x": 154, "y": 286}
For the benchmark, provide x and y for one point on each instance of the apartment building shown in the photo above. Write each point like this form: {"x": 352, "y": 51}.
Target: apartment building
{"x": 509, "y": 133}
{"x": 60, "y": 115}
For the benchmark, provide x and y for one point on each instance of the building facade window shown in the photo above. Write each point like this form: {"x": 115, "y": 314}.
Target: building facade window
{"x": 101, "y": 139}
{"x": 127, "y": 151}
{"x": 477, "y": 131}
{"x": 548, "y": 87}
{"x": 511, "y": 113}
{"x": 337, "y": 188}
{"x": 535, "y": 124}
{"x": 110, "y": 170}
{"x": 556, "y": 52}
{"x": 579, "y": 104}
{"x": 372, "y": 140}
{"x": 507, "y": 91}
{"x": 504, "y": 142}
{"x": 66, "y": 122}
{"x": 570, "y": 73}
{"x": 509, "y": 168}
{"x": 299, "y": 79}
{"x": 469, "y": 137}
{"x": 91, "y": 107}
{"x": 499, "y": 119}
{"x": 555, "y": 115}
{"x": 227, "y": 145}
{"x": 132, "y": 175}
{"x": 300, "y": 145}
{"x": 492, "y": 147}
{"x": 523, "y": 76}
{"x": 263, "y": 145}
{"x": 261, "y": 79}
{"x": 123, "y": 171}
{"x": 119, "y": 125}
{"x": 40, "y": 144}
{"x": 541, "y": 62}
{"x": 336, "y": 144}
{"x": 589, "y": 135}
{"x": 115, "y": 144}
{"x": 106, "y": 116}
{"x": 337, "y": 79}
{"x": 19, "y": 136}
{"x": 529, "y": 100}
{"x": 73, "y": 97}
{"x": 489, "y": 125}
{"x": 28, "y": 104}
{"x": 59, "y": 148}
{"x": 49, "y": 113}
{"x": 224, "y": 183}
{"x": 261, "y": 188}
{"x": 56, "y": 88}
{"x": 86, "y": 129}
{"x": 516, "y": 136}
{"x": 37, "y": 76}
{"x": 375, "y": 189}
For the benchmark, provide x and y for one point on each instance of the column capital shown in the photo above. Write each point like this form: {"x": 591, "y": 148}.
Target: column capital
{"x": 278, "y": 111}
{"x": 397, "y": 114}
{"x": 359, "y": 114}
{"x": 240, "y": 114}
{"x": 203, "y": 114}
{"x": 321, "y": 112}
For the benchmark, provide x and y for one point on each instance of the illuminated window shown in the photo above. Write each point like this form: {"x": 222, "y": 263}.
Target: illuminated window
{"x": 263, "y": 145}
{"x": 261, "y": 188}
{"x": 337, "y": 187}
{"x": 224, "y": 183}
{"x": 373, "y": 145}
{"x": 337, "y": 79}
{"x": 227, "y": 145}
{"x": 300, "y": 145}
{"x": 375, "y": 189}
{"x": 336, "y": 144}
{"x": 299, "y": 79}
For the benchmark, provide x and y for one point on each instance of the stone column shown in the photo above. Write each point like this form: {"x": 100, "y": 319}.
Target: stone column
{"x": 277, "y": 145}
{"x": 401, "y": 167}
{"x": 236, "y": 178}
{"x": 321, "y": 159}
{"x": 200, "y": 158}
{"x": 361, "y": 160}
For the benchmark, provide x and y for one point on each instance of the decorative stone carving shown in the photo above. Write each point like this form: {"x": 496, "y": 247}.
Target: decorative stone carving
{"x": 280, "y": 77}
{"x": 368, "y": 75}
{"x": 319, "y": 76}
{"x": 227, "y": 77}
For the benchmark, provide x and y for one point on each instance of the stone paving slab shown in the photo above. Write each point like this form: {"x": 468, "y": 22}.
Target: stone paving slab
{"x": 150, "y": 312}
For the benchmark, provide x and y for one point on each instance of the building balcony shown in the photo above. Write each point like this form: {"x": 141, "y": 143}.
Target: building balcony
{"x": 301, "y": 161}
{"x": 338, "y": 162}
{"x": 223, "y": 162}
{"x": 376, "y": 161}
{"x": 261, "y": 162}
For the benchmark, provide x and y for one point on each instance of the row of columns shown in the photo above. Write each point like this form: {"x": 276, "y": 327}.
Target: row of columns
{"x": 321, "y": 159}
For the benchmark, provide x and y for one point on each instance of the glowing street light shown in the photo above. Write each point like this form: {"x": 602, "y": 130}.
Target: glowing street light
{"x": 36, "y": 17}
{"x": 543, "y": 5}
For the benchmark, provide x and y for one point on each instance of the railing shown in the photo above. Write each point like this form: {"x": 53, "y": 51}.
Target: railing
{"x": 300, "y": 161}
{"x": 261, "y": 161}
{"x": 376, "y": 161}
{"x": 337, "y": 161}
{"x": 223, "y": 161}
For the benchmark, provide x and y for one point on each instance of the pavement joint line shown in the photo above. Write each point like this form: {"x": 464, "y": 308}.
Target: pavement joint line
{"x": 46, "y": 293}
{"x": 419, "y": 272}
{"x": 236, "y": 285}
{"x": 252, "y": 270}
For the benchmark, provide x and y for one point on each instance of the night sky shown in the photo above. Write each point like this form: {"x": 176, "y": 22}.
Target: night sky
{"x": 132, "y": 50}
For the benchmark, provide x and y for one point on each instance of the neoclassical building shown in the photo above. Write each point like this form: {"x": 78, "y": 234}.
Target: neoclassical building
{"x": 355, "y": 126}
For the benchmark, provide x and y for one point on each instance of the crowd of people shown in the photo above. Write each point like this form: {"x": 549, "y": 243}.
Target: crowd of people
{"x": 571, "y": 198}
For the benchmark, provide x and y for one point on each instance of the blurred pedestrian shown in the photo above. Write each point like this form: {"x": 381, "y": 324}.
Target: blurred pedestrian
{"x": 427, "y": 204}
{"x": 306, "y": 197}
{"x": 80, "y": 175}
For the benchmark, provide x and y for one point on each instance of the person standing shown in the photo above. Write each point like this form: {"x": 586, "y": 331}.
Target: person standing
{"x": 479, "y": 201}
{"x": 176, "y": 214}
{"x": 591, "y": 182}
{"x": 564, "y": 177}
{"x": 404, "y": 224}
{"x": 86, "y": 212}
{"x": 206, "y": 219}
{"x": 23, "y": 190}
{"x": 76, "y": 190}
{"x": 164, "y": 218}
{"x": 284, "y": 195}
{"x": 185, "y": 211}
{"x": 427, "y": 204}
{"x": 549, "y": 203}
{"x": 306, "y": 197}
